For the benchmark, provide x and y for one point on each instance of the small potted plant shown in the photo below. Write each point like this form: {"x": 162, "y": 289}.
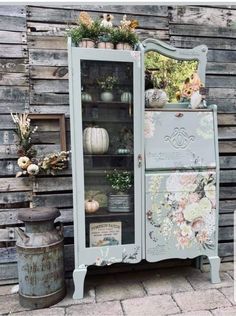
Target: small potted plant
{"x": 121, "y": 182}
{"x": 105, "y": 36}
{"x": 86, "y": 33}
{"x": 124, "y": 36}
{"x": 106, "y": 85}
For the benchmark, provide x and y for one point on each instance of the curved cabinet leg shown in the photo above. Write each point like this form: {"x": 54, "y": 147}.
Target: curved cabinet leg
{"x": 215, "y": 269}
{"x": 78, "y": 277}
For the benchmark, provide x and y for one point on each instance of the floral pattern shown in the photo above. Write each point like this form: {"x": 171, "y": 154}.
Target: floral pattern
{"x": 149, "y": 125}
{"x": 186, "y": 206}
{"x": 104, "y": 258}
{"x": 205, "y": 129}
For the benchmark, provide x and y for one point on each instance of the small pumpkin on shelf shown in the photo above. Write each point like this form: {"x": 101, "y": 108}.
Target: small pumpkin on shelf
{"x": 91, "y": 206}
{"x": 86, "y": 97}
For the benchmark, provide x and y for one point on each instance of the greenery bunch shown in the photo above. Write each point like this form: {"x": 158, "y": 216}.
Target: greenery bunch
{"x": 120, "y": 181}
{"x": 97, "y": 30}
{"x": 107, "y": 83}
{"x": 119, "y": 35}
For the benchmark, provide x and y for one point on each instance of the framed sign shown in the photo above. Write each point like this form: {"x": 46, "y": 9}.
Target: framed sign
{"x": 105, "y": 234}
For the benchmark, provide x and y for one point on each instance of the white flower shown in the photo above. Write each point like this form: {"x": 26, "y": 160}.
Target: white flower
{"x": 33, "y": 169}
{"x": 205, "y": 206}
{"x": 23, "y": 162}
{"x": 192, "y": 211}
{"x": 195, "y": 210}
{"x": 186, "y": 230}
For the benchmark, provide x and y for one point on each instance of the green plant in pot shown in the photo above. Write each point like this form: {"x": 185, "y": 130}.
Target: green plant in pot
{"x": 87, "y": 31}
{"x": 121, "y": 182}
{"x": 124, "y": 36}
{"x": 107, "y": 85}
{"x": 105, "y": 36}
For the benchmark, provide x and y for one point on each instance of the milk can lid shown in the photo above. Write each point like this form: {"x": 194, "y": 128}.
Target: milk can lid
{"x": 38, "y": 214}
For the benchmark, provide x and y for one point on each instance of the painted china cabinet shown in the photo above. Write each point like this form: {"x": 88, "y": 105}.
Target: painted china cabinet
{"x": 145, "y": 182}
{"x": 181, "y": 174}
{"x": 106, "y": 139}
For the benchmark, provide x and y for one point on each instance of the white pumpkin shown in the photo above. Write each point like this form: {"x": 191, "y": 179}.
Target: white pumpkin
{"x": 155, "y": 98}
{"x": 91, "y": 206}
{"x": 86, "y": 97}
{"x": 126, "y": 97}
{"x": 95, "y": 140}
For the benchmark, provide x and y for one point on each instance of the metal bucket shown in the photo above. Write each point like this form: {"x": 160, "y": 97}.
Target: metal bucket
{"x": 40, "y": 258}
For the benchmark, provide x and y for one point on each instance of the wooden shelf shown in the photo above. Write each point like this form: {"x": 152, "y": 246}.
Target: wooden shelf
{"x": 104, "y": 213}
{"x": 105, "y": 104}
{"x": 102, "y": 171}
{"x": 103, "y": 120}
{"x": 108, "y": 155}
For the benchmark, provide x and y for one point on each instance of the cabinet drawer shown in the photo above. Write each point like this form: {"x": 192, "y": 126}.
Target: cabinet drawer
{"x": 181, "y": 215}
{"x": 179, "y": 139}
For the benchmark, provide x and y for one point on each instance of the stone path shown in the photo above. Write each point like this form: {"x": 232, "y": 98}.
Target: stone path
{"x": 175, "y": 291}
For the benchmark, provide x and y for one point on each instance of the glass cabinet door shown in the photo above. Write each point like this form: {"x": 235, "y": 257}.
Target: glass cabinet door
{"x": 108, "y": 152}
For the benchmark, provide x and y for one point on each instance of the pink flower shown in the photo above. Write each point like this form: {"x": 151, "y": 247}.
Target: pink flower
{"x": 183, "y": 241}
{"x": 187, "y": 181}
{"x": 182, "y": 202}
{"x": 178, "y": 217}
{"x": 197, "y": 224}
{"x": 202, "y": 236}
{"x": 193, "y": 198}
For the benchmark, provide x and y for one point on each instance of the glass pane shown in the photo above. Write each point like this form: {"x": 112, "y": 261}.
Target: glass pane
{"x": 107, "y": 115}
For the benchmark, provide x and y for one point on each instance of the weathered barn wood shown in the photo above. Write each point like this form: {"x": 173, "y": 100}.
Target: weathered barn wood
{"x": 196, "y": 15}
{"x": 34, "y": 77}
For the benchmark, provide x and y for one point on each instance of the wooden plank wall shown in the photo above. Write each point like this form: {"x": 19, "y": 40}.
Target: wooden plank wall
{"x": 34, "y": 77}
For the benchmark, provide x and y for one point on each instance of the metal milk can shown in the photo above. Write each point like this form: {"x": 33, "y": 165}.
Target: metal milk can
{"x": 40, "y": 258}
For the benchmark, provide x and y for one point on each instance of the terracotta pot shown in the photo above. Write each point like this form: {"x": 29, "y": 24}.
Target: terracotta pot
{"x": 87, "y": 43}
{"x": 105, "y": 45}
{"x": 124, "y": 46}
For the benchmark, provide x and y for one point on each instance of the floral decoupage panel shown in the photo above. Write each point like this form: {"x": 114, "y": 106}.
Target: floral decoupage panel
{"x": 179, "y": 140}
{"x": 182, "y": 214}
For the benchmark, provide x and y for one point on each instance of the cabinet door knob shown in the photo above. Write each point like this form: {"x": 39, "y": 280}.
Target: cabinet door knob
{"x": 140, "y": 160}
{"x": 149, "y": 215}
{"x": 179, "y": 114}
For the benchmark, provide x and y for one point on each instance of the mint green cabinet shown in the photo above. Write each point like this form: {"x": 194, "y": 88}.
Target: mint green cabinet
{"x": 106, "y": 139}
{"x": 170, "y": 207}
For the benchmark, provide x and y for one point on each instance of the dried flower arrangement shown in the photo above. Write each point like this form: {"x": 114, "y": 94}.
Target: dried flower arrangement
{"x": 103, "y": 30}
{"x": 125, "y": 33}
{"x": 191, "y": 85}
{"x": 28, "y": 161}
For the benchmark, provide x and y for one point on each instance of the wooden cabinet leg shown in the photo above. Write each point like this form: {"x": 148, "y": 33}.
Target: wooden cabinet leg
{"x": 78, "y": 277}
{"x": 215, "y": 269}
